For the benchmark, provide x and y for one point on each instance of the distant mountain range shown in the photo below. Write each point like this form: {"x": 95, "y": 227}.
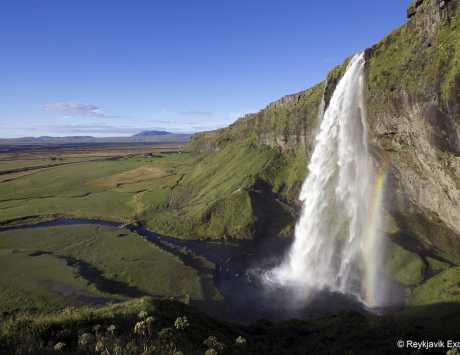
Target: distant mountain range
{"x": 152, "y": 133}
{"x": 144, "y": 136}
{"x": 45, "y": 138}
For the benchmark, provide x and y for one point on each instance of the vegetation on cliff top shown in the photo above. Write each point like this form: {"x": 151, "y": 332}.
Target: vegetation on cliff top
{"x": 417, "y": 61}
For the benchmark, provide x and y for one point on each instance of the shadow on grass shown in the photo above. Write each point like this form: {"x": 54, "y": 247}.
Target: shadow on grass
{"x": 96, "y": 277}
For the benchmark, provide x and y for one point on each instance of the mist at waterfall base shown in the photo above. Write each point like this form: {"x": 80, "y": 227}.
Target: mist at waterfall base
{"x": 337, "y": 252}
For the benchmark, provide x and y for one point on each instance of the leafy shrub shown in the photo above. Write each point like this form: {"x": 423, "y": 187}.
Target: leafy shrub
{"x": 240, "y": 341}
{"x": 213, "y": 343}
{"x": 141, "y": 328}
{"x": 59, "y": 346}
{"x": 86, "y": 341}
{"x": 100, "y": 346}
{"x": 112, "y": 329}
{"x": 143, "y": 314}
{"x": 181, "y": 323}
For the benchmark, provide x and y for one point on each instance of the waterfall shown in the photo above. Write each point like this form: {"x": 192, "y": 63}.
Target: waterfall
{"x": 337, "y": 243}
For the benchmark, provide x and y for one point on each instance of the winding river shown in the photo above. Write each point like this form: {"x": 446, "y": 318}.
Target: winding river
{"x": 237, "y": 264}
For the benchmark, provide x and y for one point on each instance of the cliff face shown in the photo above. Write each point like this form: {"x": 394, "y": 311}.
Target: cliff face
{"x": 414, "y": 117}
{"x": 413, "y": 104}
{"x": 286, "y": 123}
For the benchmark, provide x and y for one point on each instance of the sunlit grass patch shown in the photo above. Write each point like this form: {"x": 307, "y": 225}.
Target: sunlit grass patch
{"x": 135, "y": 265}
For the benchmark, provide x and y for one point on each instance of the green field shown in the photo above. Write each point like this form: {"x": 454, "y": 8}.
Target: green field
{"x": 176, "y": 193}
{"x": 53, "y": 267}
{"x": 111, "y": 265}
{"x": 102, "y": 188}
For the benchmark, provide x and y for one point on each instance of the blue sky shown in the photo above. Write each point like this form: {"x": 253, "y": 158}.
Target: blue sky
{"x": 112, "y": 68}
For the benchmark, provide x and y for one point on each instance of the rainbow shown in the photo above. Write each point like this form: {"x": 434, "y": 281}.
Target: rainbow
{"x": 372, "y": 247}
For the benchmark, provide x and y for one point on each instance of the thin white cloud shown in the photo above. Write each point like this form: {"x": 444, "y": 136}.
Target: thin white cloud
{"x": 196, "y": 113}
{"x": 76, "y": 109}
{"x": 112, "y": 128}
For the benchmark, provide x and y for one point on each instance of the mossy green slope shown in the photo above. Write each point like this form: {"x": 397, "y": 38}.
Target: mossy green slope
{"x": 182, "y": 194}
{"x": 403, "y": 266}
{"x": 214, "y": 198}
{"x": 420, "y": 62}
{"x": 442, "y": 288}
{"x": 250, "y": 173}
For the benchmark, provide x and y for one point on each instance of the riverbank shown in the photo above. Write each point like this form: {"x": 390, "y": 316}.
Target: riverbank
{"x": 227, "y": 270}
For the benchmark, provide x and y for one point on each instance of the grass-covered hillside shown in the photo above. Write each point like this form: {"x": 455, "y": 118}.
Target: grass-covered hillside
{"x": 179, "y": 193}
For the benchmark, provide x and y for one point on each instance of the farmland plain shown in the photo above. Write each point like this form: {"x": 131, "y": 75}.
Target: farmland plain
{"x": 55, "y": 266}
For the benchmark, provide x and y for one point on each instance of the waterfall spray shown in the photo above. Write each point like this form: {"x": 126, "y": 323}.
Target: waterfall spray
{"x": 337, "y": 243}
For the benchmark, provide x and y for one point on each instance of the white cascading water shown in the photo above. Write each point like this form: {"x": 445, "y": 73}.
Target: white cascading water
{"x": 337, "y": 244}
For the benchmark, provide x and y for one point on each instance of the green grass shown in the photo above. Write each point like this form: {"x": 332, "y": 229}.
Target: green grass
{"x": 436, "y": 266}
{"x": 65, "y": 181}
{"x": 86, "y": 189}
{"x": 38, "y": 333}
{"x": 209, "y": 199}
{"x": 117, "y": 255}
{"x": 97, "y": 205}
{"x": 408, "y": 61}
{"x": 286, "y": 172}
{"x": 442, "y": 288}
{"x": 282, "y": 121}
{"x": 403, "y": 266}
{"x": 73, "y": 190}
{"x": 448, "y": 60}
{"x": 346, "y": 333}
{"x": 6, "y": 165}
{"x": 43, "y": 282}
{"x": 212, "y": 195}
{"x": 179, "y": 194}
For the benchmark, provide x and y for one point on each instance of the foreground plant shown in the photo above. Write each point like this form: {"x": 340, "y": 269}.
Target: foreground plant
{"x": 59, "y": 346}
{"x": 240, "y": 341}
{"x": 181, "y": 323}
{"x": 214, "y": 344}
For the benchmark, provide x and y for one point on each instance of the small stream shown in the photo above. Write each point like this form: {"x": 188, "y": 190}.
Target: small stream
{"x": 237, "y": 265}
